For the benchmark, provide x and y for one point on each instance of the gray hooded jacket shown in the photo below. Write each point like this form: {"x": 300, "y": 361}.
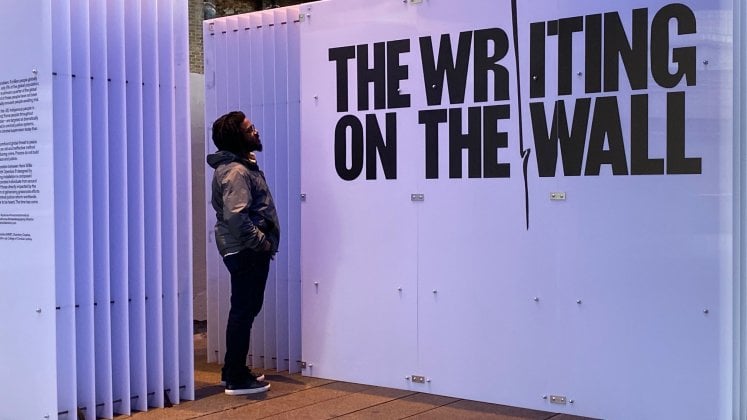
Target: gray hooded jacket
{"x": 245, "y": 213}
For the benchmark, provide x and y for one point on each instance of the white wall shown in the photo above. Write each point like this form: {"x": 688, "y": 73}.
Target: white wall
{"x": 618, "y": 297}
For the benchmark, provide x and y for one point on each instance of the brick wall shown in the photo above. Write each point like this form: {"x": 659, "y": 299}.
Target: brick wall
{"x": 195, "y": 36}
{"x": 223, "y": 8}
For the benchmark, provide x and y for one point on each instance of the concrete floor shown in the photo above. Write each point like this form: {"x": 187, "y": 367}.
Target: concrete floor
{"x": 300, "y": 397}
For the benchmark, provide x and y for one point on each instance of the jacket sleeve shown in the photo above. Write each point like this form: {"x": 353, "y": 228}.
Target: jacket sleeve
{"x": 237, "y": 197}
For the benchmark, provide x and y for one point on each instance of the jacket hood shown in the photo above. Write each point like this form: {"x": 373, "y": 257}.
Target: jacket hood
{"x": 221, "y": 157}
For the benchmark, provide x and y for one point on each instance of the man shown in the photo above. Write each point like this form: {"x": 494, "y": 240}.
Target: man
{"x": 247, "y": 234}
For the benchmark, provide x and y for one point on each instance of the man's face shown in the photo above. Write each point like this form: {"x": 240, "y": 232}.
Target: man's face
{"x": 251, "y": 135}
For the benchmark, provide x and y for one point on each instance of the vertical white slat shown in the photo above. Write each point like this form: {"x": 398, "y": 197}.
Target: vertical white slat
{"x": 184, "y": 194}
{"x": 233, "y": 54}
{"x": 739, "y": 290}
{"x": 227, "y": 56}
{"x": 82, "y": 173}
{"x": 212, "y": 262}
{"x": 118, "y": 223}
{"x": 221, "y": 101}
{"x": 245, "y": 58}
{"x": 27, "y": 271}
{"x": 242, "y": 80}
{"x": 269, "y": 163}
{"x": 256, "y": 114}
{"x": 100, "y": 200}
{"x": 223, "y": 91}
{"x": 135, "y": 205}
{"x": 152, "y": 197}
{"x": 167, "y": 175}
{"x": 293, "y": 237}
{"x": 62, "y": 112}
{"x": 280, "y": 191}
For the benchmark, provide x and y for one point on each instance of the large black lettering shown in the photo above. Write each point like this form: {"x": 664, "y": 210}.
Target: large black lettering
{"x": 640, "y": 163}
{"x": 431, "y": 118}
{"x": 471, "y": 140}
{"x": 375, "y": 75}
{"x": 537, "y": 60}
{"x": 494, "y": 140}
{"x": 593, "y": 63}
{"x": 396, "y": 72}
{"x": 606, "y": 125}
{"x": 565, "y": 29}
{"x": 447, "y": 69}
{"x": 375, "y": 146}
{"x": 571, "y": 141}
{"x": 340, "y": 56}
{"x": 486, "y": 63}
{"x": 684, "y": 57}
{"x": 351, "y": 123}
{"x": 634, "y": 54}
{"x": 677, "y": 163}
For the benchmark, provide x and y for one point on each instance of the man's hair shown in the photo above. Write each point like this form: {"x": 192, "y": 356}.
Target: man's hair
{"x": 228, "y": 134}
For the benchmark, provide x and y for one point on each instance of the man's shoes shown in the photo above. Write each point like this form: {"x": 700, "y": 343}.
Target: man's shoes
{"x": 250, "y": 386}
{"x": 259, "y": 378}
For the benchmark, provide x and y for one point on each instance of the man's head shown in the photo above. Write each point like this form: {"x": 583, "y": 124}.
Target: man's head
{"x": 235, "y": 133}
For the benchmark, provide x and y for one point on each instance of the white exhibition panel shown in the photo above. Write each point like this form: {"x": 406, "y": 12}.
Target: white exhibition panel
{"x": 101, "y": 212}
{"x": 358, "y": 239}
{"x": 258, "y": 114}
{"x": 248, "y": 66}
{"x": 738, "y": 326}
{"x": 615, "y": 293}
{"x": 63, "y": 185}
{"x": 294, "y": 190}
{"x": 152, "y": 199}
{"x": 118, "y": 217}
{"x": 27, "y": 272}
{"x": 183, "y": 165}
{"x": 280, "y": 178}
{"x": 212, "y": 265}
{"x": 135, "y": 204}
{"x": 166, "y": 93}
{"x": 83, "y": 206}
{"x": 267, "y": 318}
{"x": 100, "y": 229}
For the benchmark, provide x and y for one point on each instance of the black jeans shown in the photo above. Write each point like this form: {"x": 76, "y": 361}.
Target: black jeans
{"x": 248, "y": 279}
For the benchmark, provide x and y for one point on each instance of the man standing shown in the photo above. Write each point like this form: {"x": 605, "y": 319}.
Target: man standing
{"x": 247, "y": 234}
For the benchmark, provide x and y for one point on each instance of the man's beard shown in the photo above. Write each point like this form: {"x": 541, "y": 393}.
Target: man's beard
{"x": 253, "y": 146}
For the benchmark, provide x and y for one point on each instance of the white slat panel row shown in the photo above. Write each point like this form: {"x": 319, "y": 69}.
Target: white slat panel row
{"x": 100, "y": 207}
{"x": 183, "y": 167}
{"x": 122, "y": 218}
{"x": 63, "y": 203}
{"x": 118, "y": 202}
{"x": 215, "y": 104}
{"x": 166, "y": 93}
{"x": 294, "y": 190}
{"x": 251, "y": 64}
{"x": 83, "y": 205}
{"x": 135, "y": 204}
{"x": 266, "y": 319}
